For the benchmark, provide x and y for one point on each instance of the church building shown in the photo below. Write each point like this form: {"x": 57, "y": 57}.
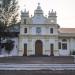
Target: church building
{"x": 40, "y": 35}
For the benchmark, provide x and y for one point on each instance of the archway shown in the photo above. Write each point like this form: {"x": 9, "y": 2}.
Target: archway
{"x": 38, "y": 48}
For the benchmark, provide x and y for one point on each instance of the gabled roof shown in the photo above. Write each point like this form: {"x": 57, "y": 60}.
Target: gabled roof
{"x": 67, "y": 30}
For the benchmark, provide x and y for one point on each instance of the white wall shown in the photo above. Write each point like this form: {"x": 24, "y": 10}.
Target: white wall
{"x": 72, "y": 43}
{"x": 31, "y": 45}
{"x": 45, "y": 30}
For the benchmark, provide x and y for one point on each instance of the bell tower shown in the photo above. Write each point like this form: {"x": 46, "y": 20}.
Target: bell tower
{"x": 24, "y": 16}
{"x": 38, "y": 15}
{"x": 52, "y": 17}
{"x": 38, "y": 11}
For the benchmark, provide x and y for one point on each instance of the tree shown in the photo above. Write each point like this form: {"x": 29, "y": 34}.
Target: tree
{"x": 10, "y": 10}
{"x": 8, "y": 15}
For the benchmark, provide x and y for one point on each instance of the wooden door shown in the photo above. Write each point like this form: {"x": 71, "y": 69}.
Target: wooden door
{"x": 38, "y": 48}
{"x": 25, "y": 50}
{"x": 51, "y": 49}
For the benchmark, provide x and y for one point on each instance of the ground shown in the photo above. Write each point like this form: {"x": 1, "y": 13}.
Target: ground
{"x": 38, "y": 60}
{"x": 43, "y": 72}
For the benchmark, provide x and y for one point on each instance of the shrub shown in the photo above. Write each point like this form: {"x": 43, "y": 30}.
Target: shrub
{"x": 9, "y": 45}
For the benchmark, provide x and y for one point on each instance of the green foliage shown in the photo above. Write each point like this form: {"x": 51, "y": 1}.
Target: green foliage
{"x": 9, "y": 11}
{"x": 8, "y": 16}
{"x": 9, "y": 45}
{"x": 6, "y": 2}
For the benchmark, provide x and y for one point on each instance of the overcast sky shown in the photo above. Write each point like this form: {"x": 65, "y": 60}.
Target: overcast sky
{"x": 65, "y": 9}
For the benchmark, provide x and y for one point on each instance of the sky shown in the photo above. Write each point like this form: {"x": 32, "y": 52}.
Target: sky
{"x": 65, "y": 10}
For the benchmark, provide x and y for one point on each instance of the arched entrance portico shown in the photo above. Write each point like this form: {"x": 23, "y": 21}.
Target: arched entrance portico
{"x": 38, "y": 48}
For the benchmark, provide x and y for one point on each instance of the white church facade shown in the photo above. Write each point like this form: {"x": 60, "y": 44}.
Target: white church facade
{"x": 42, "y": 36}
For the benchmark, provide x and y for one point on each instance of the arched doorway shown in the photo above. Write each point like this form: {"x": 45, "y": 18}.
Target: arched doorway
{"x": 38, "y": 48}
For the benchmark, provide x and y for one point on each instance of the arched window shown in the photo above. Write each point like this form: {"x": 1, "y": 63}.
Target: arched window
{"x": 64, "y": 44}
{"x": 64, "y": 40}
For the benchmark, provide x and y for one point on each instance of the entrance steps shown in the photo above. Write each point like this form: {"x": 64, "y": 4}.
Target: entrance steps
{"x": 37, "y": 65}
{"x": 38, "y": 60}
{"x": 9, "y": 66}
